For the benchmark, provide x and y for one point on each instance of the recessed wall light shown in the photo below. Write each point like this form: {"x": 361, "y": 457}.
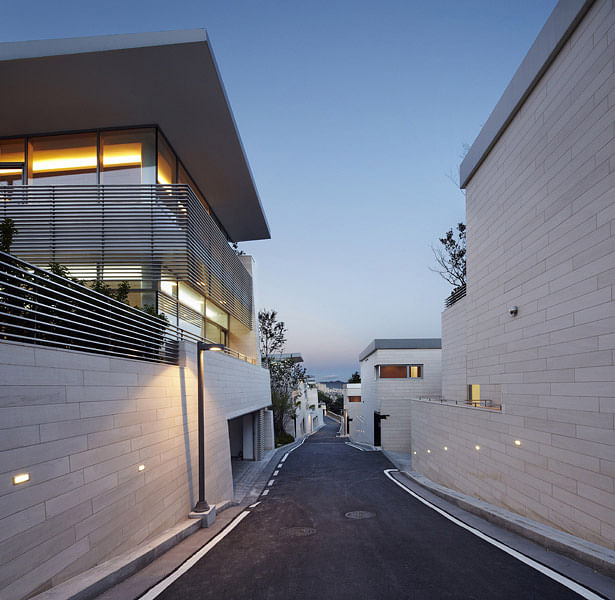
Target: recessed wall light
{"x": 141, "y": 467}
{"x": 414, "y": 452}
{"x": 428, "y": 451}
{"x": 477, "y": 447}
{"x": 446, "y": 448}
{"x": 21, "y": 478}
{"x": 518, "y": 443}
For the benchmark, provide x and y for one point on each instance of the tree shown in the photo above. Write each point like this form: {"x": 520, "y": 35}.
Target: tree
{"x": 273, "y": 334}
{"x": 7, "y": 232}
{"x": 355, "y": 378}
{"x": 451, "y": 257}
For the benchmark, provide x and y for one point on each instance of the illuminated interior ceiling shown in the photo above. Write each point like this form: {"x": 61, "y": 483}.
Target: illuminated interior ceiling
{"x": 115, "y": 81}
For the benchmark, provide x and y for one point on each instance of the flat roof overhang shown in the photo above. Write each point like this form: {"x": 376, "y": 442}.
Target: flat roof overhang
{"x": 169, "y": 79}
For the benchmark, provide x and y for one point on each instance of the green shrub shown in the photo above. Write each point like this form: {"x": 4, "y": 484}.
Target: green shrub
{"x": 283, "y": 439}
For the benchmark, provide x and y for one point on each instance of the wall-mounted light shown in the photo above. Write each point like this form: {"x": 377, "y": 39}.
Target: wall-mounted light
{"x": 213, "y": 347}
{"x": 21, "y": 478}
{"x": 445, "y": 448}
{"x": 477, "y": 447}
{"x": 518, "y": 442}
{"x": 428, "y": 451}
{"x": 414, "y": 452}
{"x": 141, "y": 467}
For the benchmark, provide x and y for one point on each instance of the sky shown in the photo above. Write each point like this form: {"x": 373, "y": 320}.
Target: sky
{"x": 354, "y": 115}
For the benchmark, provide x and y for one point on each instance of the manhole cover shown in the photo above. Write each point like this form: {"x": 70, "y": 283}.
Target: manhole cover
{"x": 298, "y": 531}
{"x": 359, "y": 514}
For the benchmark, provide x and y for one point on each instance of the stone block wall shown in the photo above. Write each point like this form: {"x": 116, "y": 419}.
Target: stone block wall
{"x": 81, "y": 424}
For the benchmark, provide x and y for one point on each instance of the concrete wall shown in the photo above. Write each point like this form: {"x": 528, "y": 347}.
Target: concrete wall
{"x": 454, "y": 385}
{"x": 541, "y": 236}
{"x": 81, "y": 424}
{"x": 392, "y": 396}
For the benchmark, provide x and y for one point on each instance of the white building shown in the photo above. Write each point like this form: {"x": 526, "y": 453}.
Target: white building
{"x": 352, "y": 410}
{"x": 393, "y": 372}
{"x": 535, "y": 333}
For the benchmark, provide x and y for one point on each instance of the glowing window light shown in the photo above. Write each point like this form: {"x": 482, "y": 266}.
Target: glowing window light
{"x": 77, "y": 163}
{"x": 10, "y": 171}
{"x": 21, "y": 478}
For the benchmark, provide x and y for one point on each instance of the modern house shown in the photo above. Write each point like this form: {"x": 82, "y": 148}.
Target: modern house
{"x": 393, "y": 371}
{"x": 119, "y": 177}
{"x": 353, "y": 416}
{"x": 528, "y": 355}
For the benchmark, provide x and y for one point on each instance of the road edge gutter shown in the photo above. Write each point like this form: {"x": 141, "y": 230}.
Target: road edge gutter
{"x": 590, "y": 554}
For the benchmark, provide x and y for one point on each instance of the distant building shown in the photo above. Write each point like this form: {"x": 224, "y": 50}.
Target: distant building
{"x": 392, "y": 372}
{"x": 353, "y": 417}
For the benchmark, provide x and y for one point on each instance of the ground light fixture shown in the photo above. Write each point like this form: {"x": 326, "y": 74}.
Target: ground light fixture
{"x": 21, "y": 478}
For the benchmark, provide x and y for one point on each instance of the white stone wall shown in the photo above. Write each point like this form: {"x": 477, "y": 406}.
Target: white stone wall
{"x": 81, "y": 424}
{"x": 541, "y": 236}
{"x": 392, "y": 396}
{"x": 232, "y": 388}
{"x": 454, "y": 386}
{"x": 354, "y": 412}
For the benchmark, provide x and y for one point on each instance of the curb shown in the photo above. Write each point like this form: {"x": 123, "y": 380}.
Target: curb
{"x": 597, "y": 557}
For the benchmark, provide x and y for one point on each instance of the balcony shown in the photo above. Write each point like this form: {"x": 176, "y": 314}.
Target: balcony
{"x": 143, "y": 232}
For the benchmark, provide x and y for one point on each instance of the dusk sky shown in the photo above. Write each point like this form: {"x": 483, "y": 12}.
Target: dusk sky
{"x": 353, "y": 115}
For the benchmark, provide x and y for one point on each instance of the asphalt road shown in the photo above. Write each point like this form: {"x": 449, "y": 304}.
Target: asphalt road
{"x": 298, "y": 543}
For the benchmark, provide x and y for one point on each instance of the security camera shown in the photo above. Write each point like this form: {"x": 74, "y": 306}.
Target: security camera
{"x": 513, "y": 310}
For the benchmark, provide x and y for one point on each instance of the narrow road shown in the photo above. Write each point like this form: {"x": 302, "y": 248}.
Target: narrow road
{"x": 298, "y": 543}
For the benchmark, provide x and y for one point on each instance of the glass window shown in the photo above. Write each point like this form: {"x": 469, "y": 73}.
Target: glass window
{"x": 217, "y": 315}
{"x": 215, "y": 334}
{"x": 127, "y": 157}
{"x": 62, "y": 160}
{"x": 12, "y": 154}
{"x": 166, "y": 162}
{"x": 474, "y": 394}
{"x": 354, "y": 398}
{"x": 416, "y": 371}
{"x": 191, "y": 298}
{"x": 393, "y": 371}
{"x": 169, "y": 288}
{"x": 183, "y": 177}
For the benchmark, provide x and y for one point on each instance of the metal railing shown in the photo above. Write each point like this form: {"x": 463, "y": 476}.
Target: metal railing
{"x": 456, "y": 295}
{"x": 39, "y": 307}
{"x": 132, "y": 232}
{"x": 486, "y": 403}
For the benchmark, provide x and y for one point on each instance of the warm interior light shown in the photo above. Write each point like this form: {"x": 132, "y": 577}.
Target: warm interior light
{"x": 21, "y": 478}
{"x": 141, "y": 467}
{"x": 517, "y": 442}
{"x": 10, "y": 171}
{"x": 477, "y": 447}
{"x": 82, "y": 158}
{"x": 116, "y": 155}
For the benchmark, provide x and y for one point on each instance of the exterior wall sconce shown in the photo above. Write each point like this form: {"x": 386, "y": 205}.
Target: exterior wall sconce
{"x": 513, "y": 310}
{"x": 477, "y": 447}
{"x": 21, "y": 478}
{"x": 428, "y": 451}
{"x": 445, "y": 448}
{"x": 213, "y": 347}
{"x": 414, "y": 452}
{"x": 518, "y": 443}
{"x": 141, "y": 467}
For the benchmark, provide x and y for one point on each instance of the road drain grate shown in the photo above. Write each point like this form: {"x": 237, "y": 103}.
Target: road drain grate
{"x": 359, "y": 514}
{"x": 298, "y": 531}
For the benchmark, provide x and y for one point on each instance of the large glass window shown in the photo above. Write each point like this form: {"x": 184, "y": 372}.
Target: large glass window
{"x": 191, "y": 298}
{"x": 62, "y": 160}
{"x": 400, "y": 371}
{"x": 217, "y": 315}
{"x": 12, "y": 156}
{"x": 167, "y": 162}
{"x": 128, "y": 157}
{"x": 215, "y": 334}
{"x": 183, "y": 177}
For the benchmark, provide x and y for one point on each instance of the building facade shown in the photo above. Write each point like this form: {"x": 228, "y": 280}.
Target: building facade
{"x": 118, "y": 178}
{"x": 392, "y": 373}
{"x": 535, "y": 334}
